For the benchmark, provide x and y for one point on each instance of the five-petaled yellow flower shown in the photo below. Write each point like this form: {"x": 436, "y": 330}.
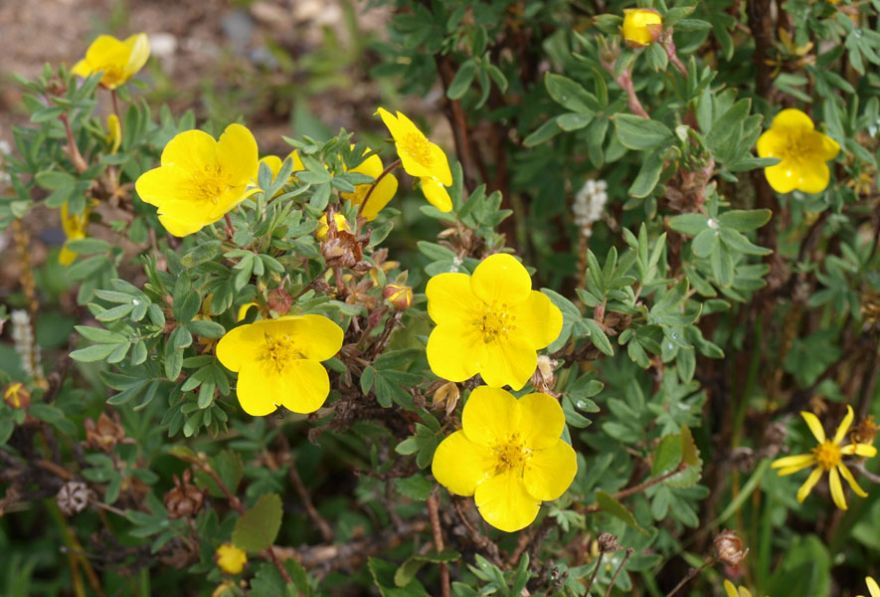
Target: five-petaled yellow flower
{"x": 420, "y": 158}
{"x": 279, "y": 362}
{"x": 119, "y": 60}
{"x": 508, "y": 454}
{"x": 74, "y": 226}
{"x": 491, "y": 323}
{"x": 802, "y": 152}
{"x": 231, "y": 559}
{"x": 827, "y": 457}
{"x": 873, "y": 587}
{"x": 641, "y": 26}
{"x": 381, "y": 195}
{"x": 200, "y": 180}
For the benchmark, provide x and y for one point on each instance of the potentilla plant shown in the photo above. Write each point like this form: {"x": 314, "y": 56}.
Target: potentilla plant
{"x": 655, "y": 241}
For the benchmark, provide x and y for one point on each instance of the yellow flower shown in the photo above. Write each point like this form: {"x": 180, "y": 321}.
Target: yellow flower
{"x": 231, "y": 559}
{"x": 873, "y": 588}
{"x": 802, "y": 152}
{"x": 420, "y": 158}
{"x": 114, "y": 132}
{"x": 16, "y": 395}
{"x": 279, "y": 362}
{"x": 324, "y": 228}
{"x": 827, "y": 457}
{"x": 118, "y": 60}
{"x": 381, "y": 195}
{"x": 641, "y": 26}
{"x": 491, "y": 323}
{"x": 74, "y": 226}
{"x": 733, "y": 591}
{"x": 508, "y": 454}
{"x": 200, "y": 179}
{"x": 275, "y": 163}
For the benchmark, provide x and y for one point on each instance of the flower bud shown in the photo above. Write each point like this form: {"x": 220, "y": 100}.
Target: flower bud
{"x": 231, "y": 559}
{"x": 641, "y": 26}
{"x": 279, "y": 300}
{"x": 730, "y": 548}
{"x": 17, "y": 396}
{"x": 446, "y": 397}
{"x": 399, "y": 295}
{"x": 324, "y": 228}
{"x": 607, "y": 542}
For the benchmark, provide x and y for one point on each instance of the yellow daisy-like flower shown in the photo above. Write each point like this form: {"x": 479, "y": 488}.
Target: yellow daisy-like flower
{"x": 641, "y": 26}
{"x": 827, "y": 457}
{"x": 420, "y": 158}
{"x": 731, "y": 590}
{"x": 279, "y": 362}
{"x": 491, "y": 323}
{"x": 508, "y": 454}
{"x": 74, "y": 226}
{"x": 119, "y": 60}
{"x": 231, "y": 559}
{"x": 324, "y": 227}
{"x": 873, "y": 588}
{"x": 200, "y": 180}
{"x": 802, "y": 150}
{"x": 381, "y": 195}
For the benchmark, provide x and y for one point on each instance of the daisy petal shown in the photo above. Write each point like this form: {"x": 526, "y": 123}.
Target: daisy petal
{"x": 815, "y": 426}
{"x": 864, "y": 450}
{"x": 808, "y": 485}
{"x": 836, "y": 489}
{"x": 844, "y": 425}
{"x": 847, "y": 474}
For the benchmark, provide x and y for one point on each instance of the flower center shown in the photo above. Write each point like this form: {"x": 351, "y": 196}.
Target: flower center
{"x": 279, "y": 351}
{"x": 495, "y": 323}
{"x": 510, "y": 455}
{"x": 827, "y": 455}
{"x": 418, "y": 146}
{"x": 801, "y": 148}
{"x": 209, "y": 184}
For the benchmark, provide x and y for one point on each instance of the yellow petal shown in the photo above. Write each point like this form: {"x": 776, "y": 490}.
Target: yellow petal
{"x": 450, "y": 299}
{"x": 550, "y": 471}
{"x": 873, "y": 588}
{"x": 730, "y": 589}
{"x": 238, "y": 154}
{"x": 66, "y": 256}
{"x": 640, "y": 26}
{"x": 538, "y": 320}
{"x": 82, "y": 68}
{"x": 181, "y": 226}
{"x": 793, "y": 464}
{"x": 808, "y": 485}
{"x": 436, "y": 194}
{"x": 771, "y": 144}
{"x": 274, "y": 163}
{"x": 103, "y": 50}
{"x": 315, "y": 336}
{"x": 190, "y": 150}
{"x": 305, "y": 386}
{"x": 815, "y": 178}
{"x": 500, "y": 279}
{"x": 815, "y": 426}
{"x": 138, "y": 47}
{"x": 864, "y": 450}
{"x": 830, "y": 147}
{"x": 541, "y": 421}
{"x": 505, "y": 504}
{"x": 243, "y": 310}
{"x": 792, "y": 121}
{"x": 847, "y": 474}
{"x": 844, "y": 425}
{"x": 836, "y": 489}
{"x": 509, "y": 362}
{"x": 453, "y": 353}
{"x": 259, "y": 389}
{"x": 240, "y": 346}
{"x": 783, "y": 177}
{"x": 460, "y": 465}
{"x": 380, "y": 197}
{"x": 161, "y": 185}
{"x": 490, "y": 416}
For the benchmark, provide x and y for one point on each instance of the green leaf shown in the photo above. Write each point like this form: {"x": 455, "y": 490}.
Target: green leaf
{"x": 542, "y": 134}
{"x": 690, "y": 224}
{"x": 598, "y": 337}
{"x": 417, "y": 487}
{"x": 570, "y": 95}
{"x": 641, "y": 134}
{"x": 745, "y": 220}
{"x": 705, "y": 242}
{"x": 610, "y": 504}
{"x": 462, "y": 80}
{"x": 91, "y": 354}
{"x": 573, "y": 121}
{"x": 257, "y": 528}
{"x": 648, "y": 177}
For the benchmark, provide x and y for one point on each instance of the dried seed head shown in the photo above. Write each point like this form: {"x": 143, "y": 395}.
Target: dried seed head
{"x": 543, "y": 379}
{"x": 607, "y": 543}
{"x": 184, "y": 500}
{"x": 446, "y": 397}
{"x": 279, "y": 300}
{"x": 105, "y": 433}
{"x": 730, "y": 548}
{"x": 73, "y": 497}
{"x": 341, "y": 249}
{"x": 864, "y": 432}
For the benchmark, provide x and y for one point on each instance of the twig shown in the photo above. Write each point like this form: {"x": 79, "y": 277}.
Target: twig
{"x": 625, "y": 81}
{"x": 669, "y": 45}
{"x": 391, "y": 167}
{"x": 692, "y": 574}
{"x": 629, "y": 553}
{"x": 230, "y": 229}
{"x": 458, "y": 122}
{"x": 479, "y": 539}
{"x": 323, "y": 526}
{"x": 434, "y": 516}
{"x": 75, "y": 156}
{"x": 595, "y": 573}
{"x": 637, "y": 488}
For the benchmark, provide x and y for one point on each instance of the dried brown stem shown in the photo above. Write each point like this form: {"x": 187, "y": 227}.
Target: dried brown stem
{"x": 629, "y": 553}
{"x": 434, "y": 516}
{"x": 624, "y": 493}
{"x": 692, "y": 574}
{"x": 323, "y": 526}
